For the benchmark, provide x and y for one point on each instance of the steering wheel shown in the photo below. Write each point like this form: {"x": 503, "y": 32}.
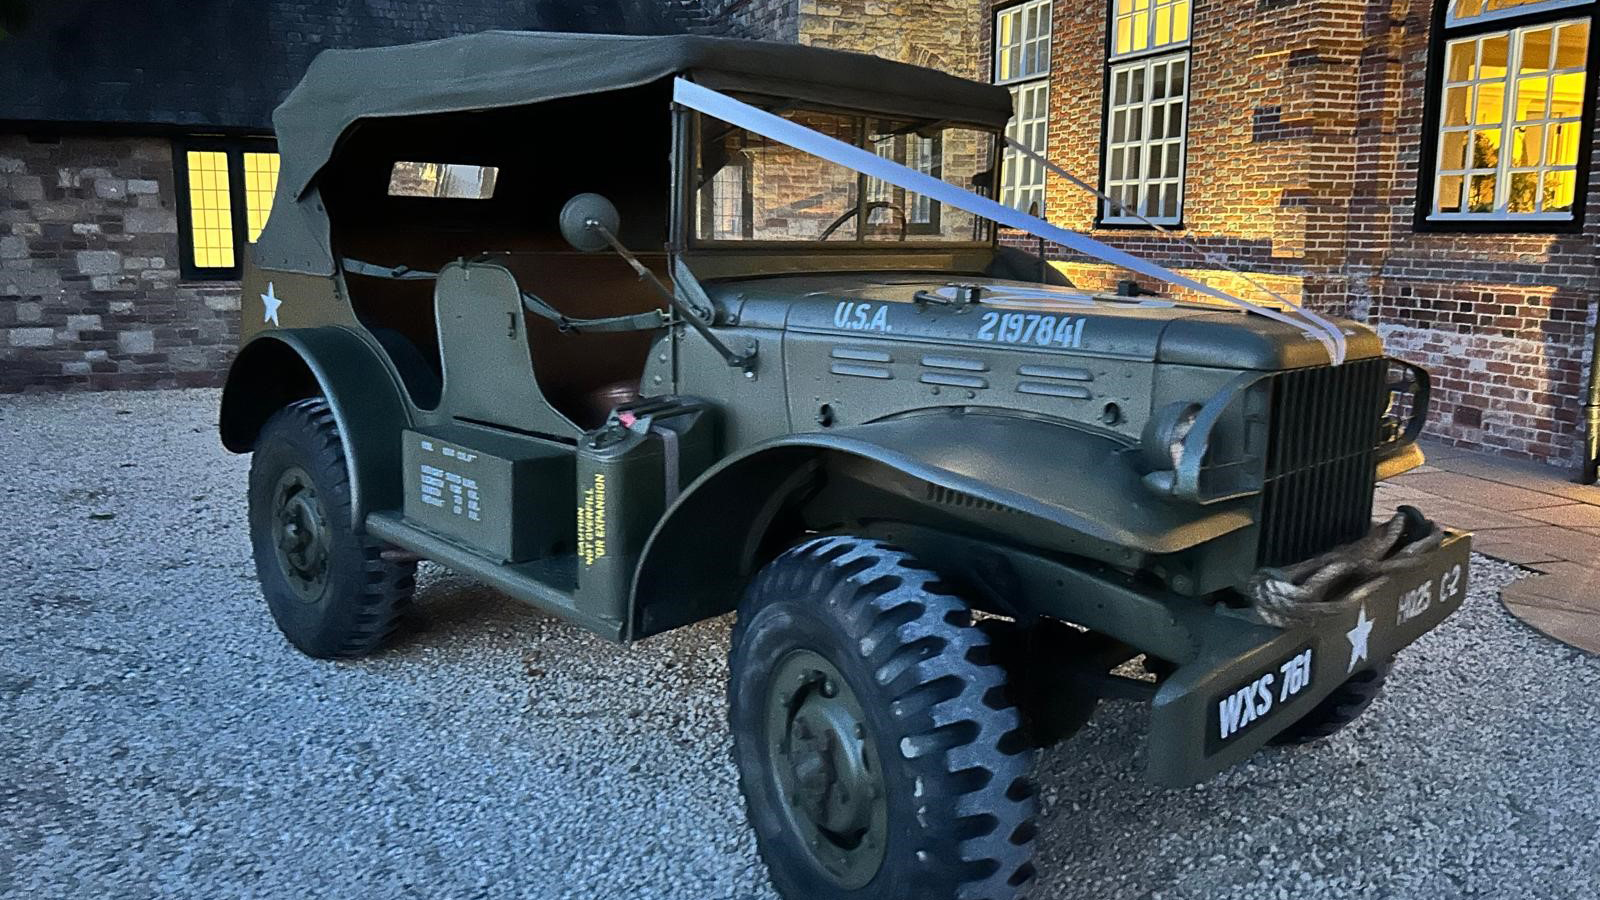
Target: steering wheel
{"x": 875, "y": 204}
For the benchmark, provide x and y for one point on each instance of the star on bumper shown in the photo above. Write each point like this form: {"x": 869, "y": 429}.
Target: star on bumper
{"x": 1358, "y": 639}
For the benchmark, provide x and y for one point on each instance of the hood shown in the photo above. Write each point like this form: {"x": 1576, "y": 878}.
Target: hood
{"x": 1024, "y": 314}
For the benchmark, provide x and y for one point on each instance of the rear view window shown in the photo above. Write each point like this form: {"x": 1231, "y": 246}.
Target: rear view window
{"x": 444, "y": 181}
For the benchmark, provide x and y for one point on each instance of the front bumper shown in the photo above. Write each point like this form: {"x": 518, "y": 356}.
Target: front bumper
{"x": 1250, "y": 681}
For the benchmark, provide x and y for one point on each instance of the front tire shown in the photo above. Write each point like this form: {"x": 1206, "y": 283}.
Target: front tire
{"x": 329, "y": 589}
{"x": 877, "y": 751}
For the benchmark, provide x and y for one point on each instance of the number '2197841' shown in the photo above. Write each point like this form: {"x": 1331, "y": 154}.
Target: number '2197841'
{"x": 1031, "y": 328}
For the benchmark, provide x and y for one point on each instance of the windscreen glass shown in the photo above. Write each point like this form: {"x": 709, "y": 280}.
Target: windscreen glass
{"x": 751, "y": 188}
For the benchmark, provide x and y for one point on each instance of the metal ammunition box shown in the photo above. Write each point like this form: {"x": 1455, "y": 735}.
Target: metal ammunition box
{"x": 469, "y": 484}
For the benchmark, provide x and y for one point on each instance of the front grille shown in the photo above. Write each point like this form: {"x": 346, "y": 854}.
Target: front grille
{"x": 1320, "y": 459}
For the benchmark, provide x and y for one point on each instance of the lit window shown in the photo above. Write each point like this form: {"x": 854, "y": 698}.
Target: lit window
{"x": 260, "y": 184}
{"x": 1509, "y": 120}
{"x": 1144, "y": 141}
{"x": 1022, "y": 61}
{"x": 210, "y": 210}
{"x": 225, "y": 191}
{"x": 1022, "y": 42}
{"x": 1144, "y": 25}
{"x": 1462, "y": 12}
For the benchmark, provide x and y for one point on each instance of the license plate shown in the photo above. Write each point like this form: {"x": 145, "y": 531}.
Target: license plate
{"x": 1247, "y": 705}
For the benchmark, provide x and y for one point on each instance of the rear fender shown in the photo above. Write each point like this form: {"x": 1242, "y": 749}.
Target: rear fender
{"x": 1012, "y": 480}
{"x": 279, "y": 367}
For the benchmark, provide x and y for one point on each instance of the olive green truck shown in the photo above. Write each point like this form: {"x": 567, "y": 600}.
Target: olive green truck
{"x": 519, "y": 312}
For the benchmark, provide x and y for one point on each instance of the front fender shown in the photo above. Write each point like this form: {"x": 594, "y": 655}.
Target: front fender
{"x": 1029, "y": 481}
{"x": 277, "y": 367}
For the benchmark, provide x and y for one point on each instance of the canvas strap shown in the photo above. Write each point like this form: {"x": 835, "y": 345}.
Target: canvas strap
{"x": 645, "y": 321}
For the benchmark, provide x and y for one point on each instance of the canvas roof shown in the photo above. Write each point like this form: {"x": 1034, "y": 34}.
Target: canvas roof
{"x": 515, "y": 68}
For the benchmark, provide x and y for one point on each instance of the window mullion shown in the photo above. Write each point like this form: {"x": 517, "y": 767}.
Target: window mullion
{"x": 1145, "y": 139}
{"x": 1508, "y": 115}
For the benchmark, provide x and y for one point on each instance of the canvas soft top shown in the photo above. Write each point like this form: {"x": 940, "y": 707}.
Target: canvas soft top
{"x": 514, "y": 68}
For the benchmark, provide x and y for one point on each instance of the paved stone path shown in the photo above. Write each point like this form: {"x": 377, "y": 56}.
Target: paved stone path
{"x": 1525, "y": 513}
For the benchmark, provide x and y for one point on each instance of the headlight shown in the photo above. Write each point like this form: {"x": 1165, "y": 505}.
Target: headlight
{"x": 1162, "y": 442}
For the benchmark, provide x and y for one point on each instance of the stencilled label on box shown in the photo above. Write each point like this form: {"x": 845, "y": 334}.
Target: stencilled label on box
{"x": 445, "y": 488}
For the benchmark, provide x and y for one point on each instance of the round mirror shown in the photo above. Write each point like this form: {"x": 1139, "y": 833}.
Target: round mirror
{"x": 578, "y": 215}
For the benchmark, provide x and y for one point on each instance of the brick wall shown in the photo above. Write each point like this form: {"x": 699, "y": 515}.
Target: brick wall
{"x": 90, "y": 294}
{"x": 1305, "y": 121}
{"x": 1503, "y": 320}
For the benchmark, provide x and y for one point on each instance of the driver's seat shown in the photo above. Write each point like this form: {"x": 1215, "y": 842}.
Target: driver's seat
{"x": 586, "y": 375}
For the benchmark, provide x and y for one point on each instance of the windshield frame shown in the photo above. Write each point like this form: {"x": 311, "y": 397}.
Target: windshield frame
{"x": 686, "y": 142}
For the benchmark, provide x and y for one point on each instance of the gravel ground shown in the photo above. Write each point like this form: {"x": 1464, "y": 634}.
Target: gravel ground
{"x": 157, "y": 737}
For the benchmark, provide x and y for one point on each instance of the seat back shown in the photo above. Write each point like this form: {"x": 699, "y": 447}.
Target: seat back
{"x": 488, "y": 367}
{"x": 586, "y": 375}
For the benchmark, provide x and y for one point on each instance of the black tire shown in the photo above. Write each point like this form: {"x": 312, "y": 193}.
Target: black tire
{"x": 351, "y": 609}
{"x": 1346, "y": 704}
{"x": 957, "y": 806}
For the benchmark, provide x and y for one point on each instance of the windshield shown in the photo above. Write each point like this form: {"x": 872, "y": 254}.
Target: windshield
{"x": 750, "y": 188}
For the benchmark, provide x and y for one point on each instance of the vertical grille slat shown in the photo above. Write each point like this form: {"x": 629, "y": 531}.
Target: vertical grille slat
{"x": 1320, "y": 459}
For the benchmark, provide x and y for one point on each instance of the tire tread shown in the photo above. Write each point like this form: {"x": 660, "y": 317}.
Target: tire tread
{"x": 916, "y": 640}
{"x": 385, "y": 589}
{"x": 1337, "y": 710}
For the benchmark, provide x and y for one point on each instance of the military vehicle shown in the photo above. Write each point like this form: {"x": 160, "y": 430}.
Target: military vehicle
{"x": 519, "y": 312}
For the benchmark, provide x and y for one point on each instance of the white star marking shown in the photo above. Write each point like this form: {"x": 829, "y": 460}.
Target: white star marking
{"x": 1358, "y": 638}
{"x": 270, "y": 301}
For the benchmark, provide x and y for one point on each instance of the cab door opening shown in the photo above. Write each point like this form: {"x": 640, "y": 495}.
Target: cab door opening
{"x": 531, "y": 160}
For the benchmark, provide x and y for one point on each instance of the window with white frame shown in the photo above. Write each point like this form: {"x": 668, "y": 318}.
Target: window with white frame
{"x": 1461, "y": 12}
{"x": 892, "y": 208}
{"x": 1508, "y": 126}
{"x": 730, "y": 198}
{"x": 1140, "y": 26}
{"x": 1022, "y": 62}
{"x": 1146, "y": 124}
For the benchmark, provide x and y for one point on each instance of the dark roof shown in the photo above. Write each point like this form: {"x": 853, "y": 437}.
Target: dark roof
{"x": 226, "y": 64}
{"x": 515, "y": 68}
{"x": 496, "y": 69}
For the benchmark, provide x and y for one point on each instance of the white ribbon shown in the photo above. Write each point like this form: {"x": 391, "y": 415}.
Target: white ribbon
{"x": 1185, "y": 240}
{"x": 793, "y": 134}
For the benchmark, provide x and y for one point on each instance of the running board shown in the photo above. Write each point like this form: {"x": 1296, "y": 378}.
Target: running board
{"x": 545, "y": 584}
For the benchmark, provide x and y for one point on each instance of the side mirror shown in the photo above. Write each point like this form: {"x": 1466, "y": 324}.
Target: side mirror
{"x": 577, "y": 216}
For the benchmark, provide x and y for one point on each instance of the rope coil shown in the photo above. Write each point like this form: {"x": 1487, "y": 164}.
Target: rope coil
{"x": 1341, "y": 579}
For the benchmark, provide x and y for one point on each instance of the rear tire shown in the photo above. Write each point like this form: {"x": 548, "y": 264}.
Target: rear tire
{"x": 877, "y": 751}
{"x": 1337, "y": 710}
{"x": 329, "y": 589}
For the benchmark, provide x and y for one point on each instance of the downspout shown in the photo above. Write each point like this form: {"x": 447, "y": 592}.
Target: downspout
{"x": 1591, "y": 411}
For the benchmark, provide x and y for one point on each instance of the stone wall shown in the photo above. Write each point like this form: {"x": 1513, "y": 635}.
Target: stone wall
{"x": 771, "y": 20}
{"x": 939, "y": 34}
{"x": 90, "y": 294}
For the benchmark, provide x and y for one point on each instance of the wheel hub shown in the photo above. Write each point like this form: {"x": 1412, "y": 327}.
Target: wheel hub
{"x": 300, "y": 533}
{"x": 827, "y": 769}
